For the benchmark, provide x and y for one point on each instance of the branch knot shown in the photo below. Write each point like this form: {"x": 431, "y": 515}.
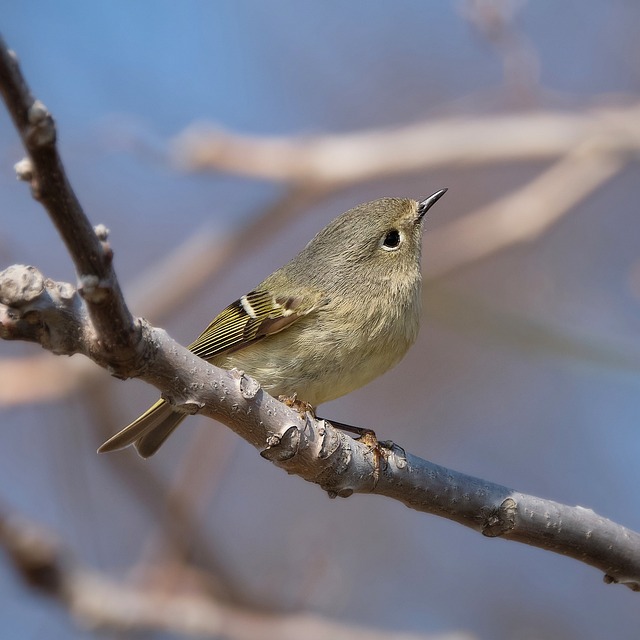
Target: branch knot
{"x": 501, "y": 520}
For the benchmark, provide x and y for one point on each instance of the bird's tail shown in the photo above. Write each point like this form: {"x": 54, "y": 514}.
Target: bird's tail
{"x": 147, "y": 432}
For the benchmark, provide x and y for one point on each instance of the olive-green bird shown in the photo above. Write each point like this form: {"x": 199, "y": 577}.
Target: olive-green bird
{"x": 342, "y": 312}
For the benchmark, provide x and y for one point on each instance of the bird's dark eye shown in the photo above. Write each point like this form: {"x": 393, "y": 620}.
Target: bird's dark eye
{"x": 391, "y": 239}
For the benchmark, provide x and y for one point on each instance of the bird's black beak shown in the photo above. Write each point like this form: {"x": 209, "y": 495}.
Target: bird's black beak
{"x": 427, "y": 203}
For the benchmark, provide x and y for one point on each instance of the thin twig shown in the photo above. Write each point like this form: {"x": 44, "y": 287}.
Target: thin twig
{"x": 45, "y": 173}
{"x": 524, "y": 215}
{"x": 495, "y": 21}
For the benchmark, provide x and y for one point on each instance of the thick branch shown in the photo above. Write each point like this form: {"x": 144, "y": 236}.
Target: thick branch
{"x": 44, "y": 171}
{"x": 319, "y": 453}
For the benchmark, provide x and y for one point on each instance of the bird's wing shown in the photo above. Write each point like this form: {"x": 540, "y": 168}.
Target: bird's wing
{"x": 252, "y": 317}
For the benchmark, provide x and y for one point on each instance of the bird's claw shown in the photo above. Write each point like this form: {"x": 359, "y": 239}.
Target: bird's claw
{"x": 300, "y": 406}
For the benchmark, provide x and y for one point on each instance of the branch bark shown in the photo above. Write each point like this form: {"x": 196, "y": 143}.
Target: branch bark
{"x": 89, "y": 249}
{"x": 94, "y": 320}
{"x": 32, "y": 308}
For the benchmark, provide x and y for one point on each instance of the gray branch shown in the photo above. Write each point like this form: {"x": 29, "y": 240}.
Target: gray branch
{"x": 88, "y": 248}
{"x": 94, "y": 320}
{"x": 53, "y": 314}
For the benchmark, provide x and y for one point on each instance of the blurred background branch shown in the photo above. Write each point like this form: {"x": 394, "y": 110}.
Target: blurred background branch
{"x": 339, "y": 160}
{"x": 181, "y": 602}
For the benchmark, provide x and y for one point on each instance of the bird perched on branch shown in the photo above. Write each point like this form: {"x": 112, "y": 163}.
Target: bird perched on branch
{"x": 342, "y": 312}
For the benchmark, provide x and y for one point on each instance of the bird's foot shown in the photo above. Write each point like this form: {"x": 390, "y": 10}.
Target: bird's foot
{"x": 300, "y": 406}
{"x": 381, "y": 449}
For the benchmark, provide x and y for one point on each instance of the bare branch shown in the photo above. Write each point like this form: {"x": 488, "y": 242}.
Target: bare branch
{"x": 317, "y": 452}
{"x": 495, "y": 21}
{"x": 525, "y": 214}
{"x": 89, "y": 250}
{"x": 335, "y": 160}
{"x": 98, "y": 602}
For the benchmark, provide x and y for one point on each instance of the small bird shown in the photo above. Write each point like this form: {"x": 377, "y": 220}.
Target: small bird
{"x": 342, "y": 312}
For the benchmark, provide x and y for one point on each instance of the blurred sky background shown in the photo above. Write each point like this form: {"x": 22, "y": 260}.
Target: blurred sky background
{"x": 525, "y": 372}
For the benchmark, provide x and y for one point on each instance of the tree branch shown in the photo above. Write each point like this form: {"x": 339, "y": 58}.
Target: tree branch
{"x": 98, "y": 602}
{"x": 336, "y": 160}
{"x": 312, "y": 448}
{"x": 67, "y": 321}
{"x": 89, "y": 249}
{"x": 526, "y": 213}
